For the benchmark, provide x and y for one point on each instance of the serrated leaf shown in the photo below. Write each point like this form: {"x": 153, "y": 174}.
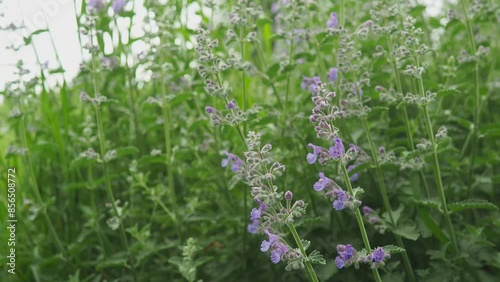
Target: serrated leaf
{"x": 316, "y": 257}
{"x": 407, "y": 229}
{"x": 433, "y": 204}
{"x": 391, "y": 249}
{"x": 471, "y": 204}
{"x": 447, "y": 92}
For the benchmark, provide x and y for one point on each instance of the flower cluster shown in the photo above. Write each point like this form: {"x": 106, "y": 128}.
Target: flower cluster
{"x": 336, "y": 152}
{"x": 277, "y": 246}
{"x": 324, "y": 113}
{"x": 271, "y": 214}
{"x": 310, "y": 83}
{"x": 347, "y": 256}
{"x": 341, "y": 199}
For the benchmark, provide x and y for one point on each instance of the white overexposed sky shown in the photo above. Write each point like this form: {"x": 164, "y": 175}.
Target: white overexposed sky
{"x": 59, "y": 17}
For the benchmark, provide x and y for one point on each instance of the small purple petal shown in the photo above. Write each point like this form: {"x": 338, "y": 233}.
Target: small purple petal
{"x": 265, "y": 246}
{"x": 339, "y": 262}
{"x": 332, "y": 21}
{"x": 378, "y": 255}
{"x": 275, "y": 256}
{"x": 118, "y": 5}
{"x": 311, "y": 158}
{"x": 332, "y": 74}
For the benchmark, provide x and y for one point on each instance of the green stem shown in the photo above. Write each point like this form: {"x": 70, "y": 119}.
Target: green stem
{"x": 359, "y": 219}
{"x": 437, "y": 171}
{"x": 107, "y": 180}
{"x": 342, "y": 13}
{"x": 36, "y": 189}
{"x": 477, "y": 100}
{"x": 245, "y": 107}
{"x": 264, "y": 64}
{"x": 310, "y": 269}
{"x": 167, "y": 129}
{"x": 387, "y": 204}
{"x": 409, "y": 134}
{"x": 287, "y": 93}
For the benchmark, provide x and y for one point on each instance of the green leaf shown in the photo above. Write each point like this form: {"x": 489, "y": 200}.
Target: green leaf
{"x": 316, "y": 257}
{"x": 446, "y": 92}
{"x": 124, "y": 151}
{"x": 112, "y": 263}
{"x": 391, "y": 249}
{"x": 471, "y": 204}
{"x": 408, "y": 230}
{"x": 431, "y": 203}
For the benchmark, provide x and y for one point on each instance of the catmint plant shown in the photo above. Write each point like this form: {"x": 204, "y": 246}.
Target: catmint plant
{"x": 323, "y": 116}
{"x": 273, "y": 215}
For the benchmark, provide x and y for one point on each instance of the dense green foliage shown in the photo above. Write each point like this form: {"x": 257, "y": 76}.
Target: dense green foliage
{"x": 119, "y": 175}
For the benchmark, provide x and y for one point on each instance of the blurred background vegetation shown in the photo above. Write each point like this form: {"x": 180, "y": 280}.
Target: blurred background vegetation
{"x": 131, "y": 127}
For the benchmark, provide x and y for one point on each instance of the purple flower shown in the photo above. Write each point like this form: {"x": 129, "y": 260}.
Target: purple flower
{"x": 312, "y": 157}
{"x": 339, "y": 262}
{"x": 310, "y": 82}
{"x": 279, "y": 249}
{"x": 321, "y": 184}
{"x": 346, "y": 254}
{"x": 367, "y": 210}
{"x": 355, "y": 176}
{"x": 96, "y": 4}
{"x": 349, "y": 251}
{"x": 378, "y": 255}
{"x": 231, "y": 105}
{"x": 118, "y": 5}
{"x": 332, "y": 21}
{"x": 288, "y": 195}
{"x": 253, "y": 227}
{"x": 235, "y": 161}
{"x": 332, "y": 74}
{"x": 340, "y": 203}
{"x": 337, "y": 150}
{"x": 255, "y": 213}
{"x": 210, "y": 110}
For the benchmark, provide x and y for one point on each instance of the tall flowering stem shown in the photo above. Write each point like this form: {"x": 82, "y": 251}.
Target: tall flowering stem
{"x": 412, "y": 49}
{"x": 477, "y": 96}
{"x": 296, "y": 237}
{"x": 359, "y": 219}
{"x": 437, "y": 170}
{"x": 260, "y": 172}
{"x": 103, "y": 150}
{"x": 323, "y": 115}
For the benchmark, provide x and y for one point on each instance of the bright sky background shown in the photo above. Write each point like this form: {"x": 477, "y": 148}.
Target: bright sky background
{"x": 59, "y": 16}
